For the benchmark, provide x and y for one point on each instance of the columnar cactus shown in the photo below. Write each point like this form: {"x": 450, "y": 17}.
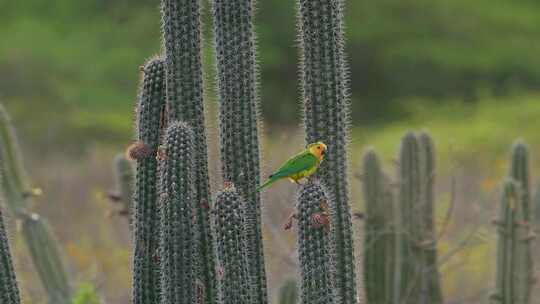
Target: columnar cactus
{"x": 288, "y": 293}
{"x": 150, "y": 121}
{"x": 237, "y": 84}
{"x": 181, "y": 28}
{"x": 380, "y": 235}
{"x": 18, "y": 194}
{"x": 123, "y": 172}
{"x": 176, "y": 201}
{"x": 314, "y": 250}
{"x": 231, "y": 245}
{"x": 514, "y": 252}
{"x": 9, "y": 290}
{"x": 46, "y": 256}
{"x": 326, "y": 119}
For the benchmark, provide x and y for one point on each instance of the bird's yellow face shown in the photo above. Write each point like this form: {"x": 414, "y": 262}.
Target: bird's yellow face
{"x": 318, "y": 149}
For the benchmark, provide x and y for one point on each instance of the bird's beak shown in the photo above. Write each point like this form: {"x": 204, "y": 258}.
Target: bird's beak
{"x": 323, "y": 152}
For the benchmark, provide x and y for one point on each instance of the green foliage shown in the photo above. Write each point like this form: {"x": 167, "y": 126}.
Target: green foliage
{"x": 288, "y": 293}
{"x": 181, "y": 26}
{"x": 149, "y": 110}
{"x": 177, "y": 191}
{"x": 238, "y": 120}
{"x": 326, "y": 115}
{"x": 86, "y": 294}
{"x": 9, "y": 290}
{"x": 231, "y": 246}
{"x": 314, "y": 246}
{"x": 515, "y": 268}
{"x": 380, "y": 260}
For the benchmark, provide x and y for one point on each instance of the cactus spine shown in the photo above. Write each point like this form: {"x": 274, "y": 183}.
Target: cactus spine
{"x": 18, "y": 195}
{"x": 380, "y": 238}
{"x": 231, "y": 247}
{"x": 182, "y": 37}
{"x": 146, "y": 217}
{"x": 237, "y": 85}
{"x": 176, "y": 203}
{"x": 514, "y": 252}
{"x": 418, "y": 269}
{"x": 288, "y": 293}
{"x": 326, "y": 119}
{"x": 314, "y": 250}
{"x": 9, "y": 290}
{"x": 46, "y": 256}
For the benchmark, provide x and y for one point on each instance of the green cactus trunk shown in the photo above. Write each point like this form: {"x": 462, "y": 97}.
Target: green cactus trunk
{"x": 123, "y": 171}
{"x": 288, "y": 293}
{"x": 231, "y": 245}
{"x": 46, "y": 256}
{"x": 181, "y": 28}
{"x": 380, "y": 235}
{"x": 514, "y": 249}
{"x": 326, "y": 119}
{"x": 9, "y": 290}
{"x": 146, "y": 216}
{"x": 177, "y": 193}
{"x": 237, "y": 86}
{"x": 314, "y": 244}
{"x": 18, "y": 194}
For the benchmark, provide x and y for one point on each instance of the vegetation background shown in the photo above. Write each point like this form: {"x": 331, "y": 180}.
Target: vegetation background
{"x": 467, "y": 71}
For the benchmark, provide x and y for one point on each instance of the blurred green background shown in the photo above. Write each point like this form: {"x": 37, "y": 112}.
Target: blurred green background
{"x": 468, "y": 71}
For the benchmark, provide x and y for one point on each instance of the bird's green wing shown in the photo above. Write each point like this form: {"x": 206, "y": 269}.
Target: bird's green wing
{"x": 298, "y": 163}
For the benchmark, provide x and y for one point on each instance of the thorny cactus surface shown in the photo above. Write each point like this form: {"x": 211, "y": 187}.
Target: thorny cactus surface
{"x": 150, "y": 120}
{"x": 238, "y": 121}
{"x": 231, "y": 246}
{"x": 326, "y": 119}
{"x": 181, "y": 28}
{"x": 314, "y": 250}
{"x": 9, "y": 290}
{"x": 380, "y": 233}
{"x": 176, "y": 202}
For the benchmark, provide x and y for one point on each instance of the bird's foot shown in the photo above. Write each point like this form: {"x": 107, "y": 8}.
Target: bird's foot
{"x": 289, "y": 223}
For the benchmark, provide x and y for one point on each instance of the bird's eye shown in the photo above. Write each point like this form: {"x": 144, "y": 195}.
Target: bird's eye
{"x": 319, "y": 147}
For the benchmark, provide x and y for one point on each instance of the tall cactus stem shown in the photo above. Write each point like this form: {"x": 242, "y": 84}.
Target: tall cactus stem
{"x": 181, "y": 26}
{"x": 314, "y": 243}
{"x": 149, "y": 121}
{"x": 123, "y": 171}
{"x": 288, "y": 292}
{"x": 326, "y": 119}
{"x": 9, "y": 289}
{"x": 231, "y": 244}
{"x": 178, "y": 283}
{"x": 237, "y": 90}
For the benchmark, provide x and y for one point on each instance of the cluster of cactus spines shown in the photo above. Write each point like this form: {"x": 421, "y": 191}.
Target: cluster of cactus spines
{"x": 149, "y": 122}
{"x": 326, "y": 119}
{"x": 416, "y": 236}
{"x": 9, "y": 289}
{"x": 181, "y": 28}
{"x": 18, "y": 194}
{"x": 177, "y": 191}
{"x": 314, "y": 252}
{"x": 379, "y": 230}
{"x": 46, "y": 256}
{"x": 123, "y": 171}
{"x": 288, "y": 293}
{"x": 231, "y": 246}
{"x": 237, "y": 85}
{"x": 514, "y": 255}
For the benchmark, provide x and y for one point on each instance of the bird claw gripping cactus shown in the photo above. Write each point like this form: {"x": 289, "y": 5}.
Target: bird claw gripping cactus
{"x": 314, "y": 250}
{"x": 231, "y": 247}
{"x": 181, "y": 27}
{"x": 238, "y": 102}
{"x": 9, "y": 290}
{"x": 326, "y": 118}
{"x": 514, "y": 250}
{"x": 176, "y": 208}
{"x": 380, "y": 234}
{"x": 146, "y": 217}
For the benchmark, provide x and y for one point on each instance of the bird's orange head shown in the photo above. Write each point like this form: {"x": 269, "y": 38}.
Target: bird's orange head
{"x": 318, "y": 149}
